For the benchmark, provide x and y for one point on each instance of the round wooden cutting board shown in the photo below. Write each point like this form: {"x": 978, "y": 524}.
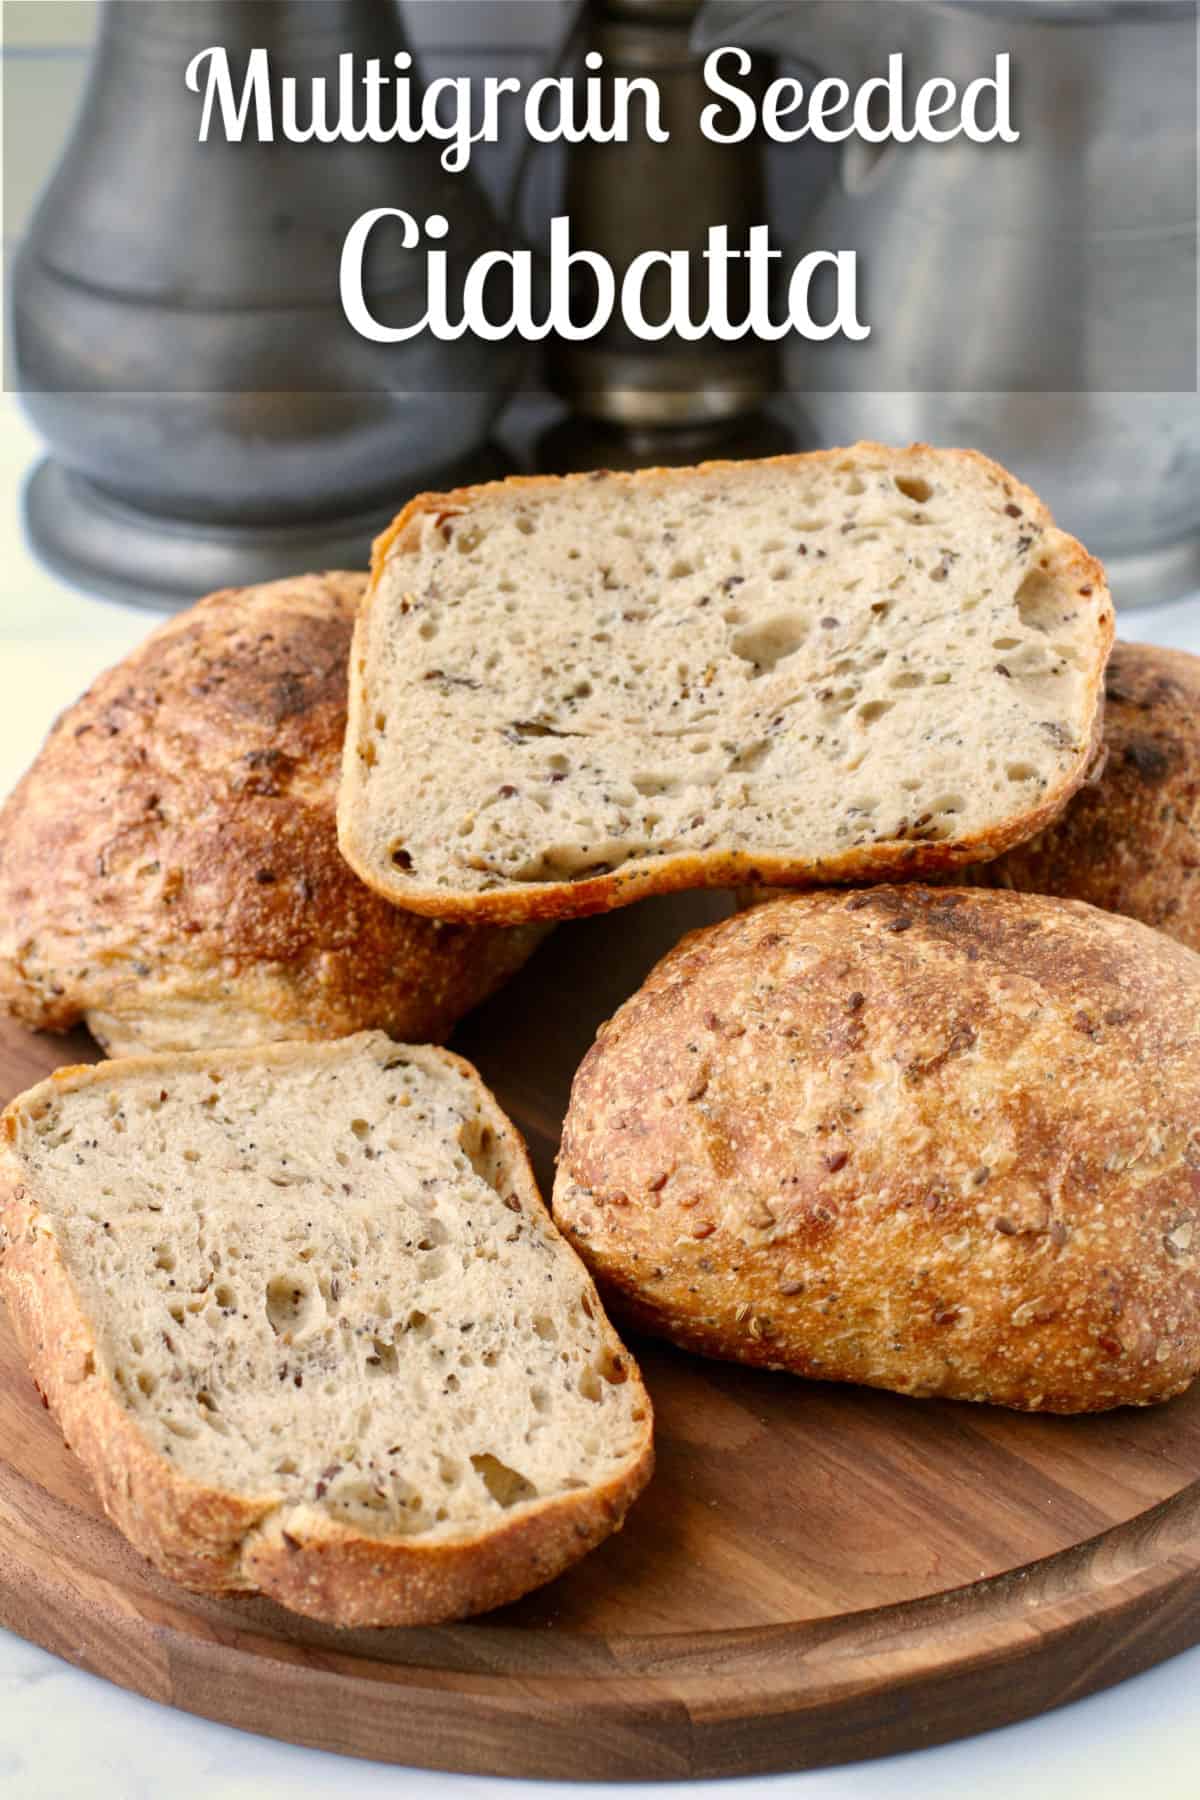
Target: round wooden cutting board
{"x": 814, "y": 1575}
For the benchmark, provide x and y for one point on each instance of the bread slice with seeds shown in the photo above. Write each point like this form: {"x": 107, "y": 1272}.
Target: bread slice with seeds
{"x": 303, "y": 1316}
{"x": 566, "y": 694}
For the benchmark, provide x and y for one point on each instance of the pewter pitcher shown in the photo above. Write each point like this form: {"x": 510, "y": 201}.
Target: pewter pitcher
{"x": 177, "y": 333}
{"x": 1036, "y": 301}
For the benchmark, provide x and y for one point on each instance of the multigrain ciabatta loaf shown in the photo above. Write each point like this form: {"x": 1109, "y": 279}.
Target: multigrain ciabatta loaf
{"x": 945, "y": 1141}
{"x": 1130, "y": 839}
{"x": 169, "y": 869}
{"x": 303, "y": 1316}
{"x": 567, "y": 694}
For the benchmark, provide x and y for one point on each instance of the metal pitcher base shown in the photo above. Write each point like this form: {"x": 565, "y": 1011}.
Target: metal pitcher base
{"x": 1157, "y": 577}
{"x": 112, "y": 549}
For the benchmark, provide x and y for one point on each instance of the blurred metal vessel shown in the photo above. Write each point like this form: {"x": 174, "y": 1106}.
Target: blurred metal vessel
{"x": 1035, "y": 301}
{"x": 637, "y": 196}
{"x": 177, "y": 334}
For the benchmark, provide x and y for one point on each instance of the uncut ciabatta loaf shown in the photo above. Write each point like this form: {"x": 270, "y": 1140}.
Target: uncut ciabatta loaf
{"x": 566, "y": 694}
{"x": 1130, "y": 839}
{"x": 945, "y": 1141}
{"x": 303, "y": 1316}
{"x": 169, "y": 869}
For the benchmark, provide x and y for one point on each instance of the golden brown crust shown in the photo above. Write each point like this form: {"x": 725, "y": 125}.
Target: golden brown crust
{"x": 943, "y": 1141}
{"x": 218, "y": 1542}
{"x": 882, "y": 860}
{"x": 1130, "y": 841}
{"x": 169, "y": 868}
{"x": 329, "y": 1572}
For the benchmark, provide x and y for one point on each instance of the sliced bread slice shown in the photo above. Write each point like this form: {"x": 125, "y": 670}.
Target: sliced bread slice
{"x": 567, "y": 694}
{"x": 303, "y": 1315}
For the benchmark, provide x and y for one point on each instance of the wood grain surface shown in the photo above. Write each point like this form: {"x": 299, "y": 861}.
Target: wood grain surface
{"x": 816, "y": 1574}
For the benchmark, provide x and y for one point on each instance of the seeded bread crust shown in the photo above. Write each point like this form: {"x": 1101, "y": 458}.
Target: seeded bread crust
{"x": 213, "y": 1539}
{"x": 942, "y": 1141}
{"x": 1130, "y": 840}
{"x": 169, "y": 870}
{"x": 398, "y": 722}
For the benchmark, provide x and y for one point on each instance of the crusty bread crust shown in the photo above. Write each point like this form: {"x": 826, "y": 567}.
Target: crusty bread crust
{"x": 943, "y": 1141}
{"x": 219, "y": 1542}
{"x": 1067, "y": 563}
{"x": 169, "y": 869}
{"x": 1130, "y": 839}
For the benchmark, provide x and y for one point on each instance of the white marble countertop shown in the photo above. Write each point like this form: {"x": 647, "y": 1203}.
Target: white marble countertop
{"x": 65, "y": 1735}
